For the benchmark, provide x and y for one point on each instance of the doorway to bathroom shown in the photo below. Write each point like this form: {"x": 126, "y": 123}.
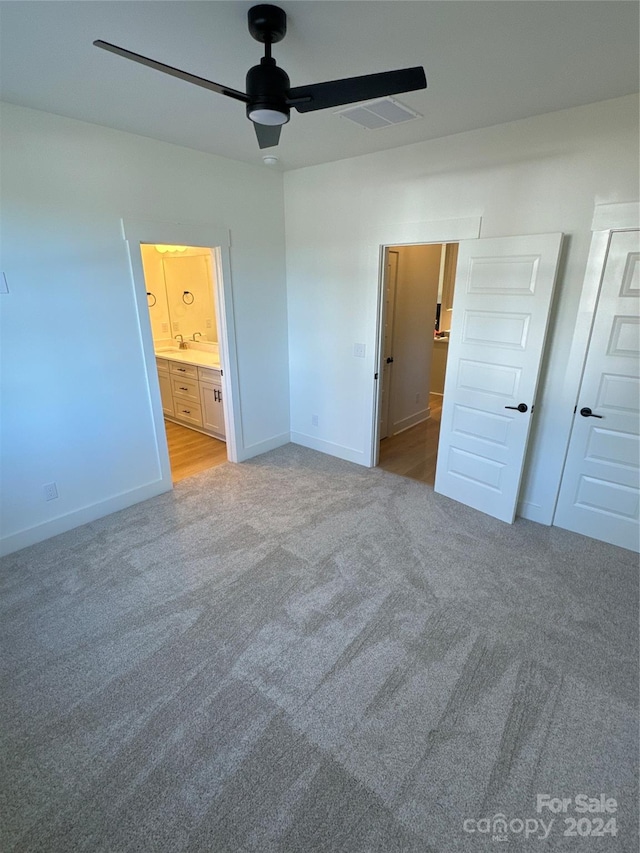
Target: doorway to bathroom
{"x": 187, "y": 330}
{"x": 180, "y": 290}
{"x": 417, "y": 313}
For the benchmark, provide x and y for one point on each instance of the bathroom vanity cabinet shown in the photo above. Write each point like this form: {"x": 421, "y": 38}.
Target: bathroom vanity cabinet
{"x": 211, "y": 401}
{"x": 192, "y": 395}
{"x": 165, "y": 387}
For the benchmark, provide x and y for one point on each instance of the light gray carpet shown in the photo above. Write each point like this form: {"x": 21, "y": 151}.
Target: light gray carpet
{"x": 297, "y": 654}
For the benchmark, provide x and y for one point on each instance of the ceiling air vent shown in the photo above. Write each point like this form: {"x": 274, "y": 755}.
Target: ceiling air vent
{"x": 378, "y": 114}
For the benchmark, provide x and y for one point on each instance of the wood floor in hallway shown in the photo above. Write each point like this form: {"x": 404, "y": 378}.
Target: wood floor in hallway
{"x": 413, "y": 453}
{"x": 191, "y": 452}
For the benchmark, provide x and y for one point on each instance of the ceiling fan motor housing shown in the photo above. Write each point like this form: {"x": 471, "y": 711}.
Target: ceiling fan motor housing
{"x": 267, "y": 86}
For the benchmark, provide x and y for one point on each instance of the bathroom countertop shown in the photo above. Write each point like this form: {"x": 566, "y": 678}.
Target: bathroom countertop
{"x": 191, "y": 356}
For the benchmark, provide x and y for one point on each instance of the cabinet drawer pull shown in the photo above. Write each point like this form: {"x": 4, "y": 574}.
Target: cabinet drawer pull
{"x": 186, "y": 411}
{"x": 182, "y": 388}
{"x": 182, "y": 369}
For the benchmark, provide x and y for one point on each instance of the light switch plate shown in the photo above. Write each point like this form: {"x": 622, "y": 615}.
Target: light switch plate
{"x": 359, "y": 350}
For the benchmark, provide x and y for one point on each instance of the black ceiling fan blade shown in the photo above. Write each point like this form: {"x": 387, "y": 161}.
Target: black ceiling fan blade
{"x": 174, "y": 72}
{"x": 320, "y": 96}
{"x": 268, "y": 134}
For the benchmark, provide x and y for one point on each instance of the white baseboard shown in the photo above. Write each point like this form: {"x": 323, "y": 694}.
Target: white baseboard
{"x": 251, "y": 450}
{"x": 32, "y": 535}
{"x": 411, "y": 421}
{"x": 347, "y": 453}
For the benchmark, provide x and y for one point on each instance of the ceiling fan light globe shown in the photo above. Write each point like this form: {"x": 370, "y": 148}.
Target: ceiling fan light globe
{"x": 268, "y": 117}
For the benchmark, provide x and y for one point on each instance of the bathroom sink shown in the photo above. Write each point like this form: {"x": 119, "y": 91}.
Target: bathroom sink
{"x": 190, "y": 356}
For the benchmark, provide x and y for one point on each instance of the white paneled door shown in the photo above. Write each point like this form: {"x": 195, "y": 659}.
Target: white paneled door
{"x": 599, "y": 495}
{"x": 501, "y": 306}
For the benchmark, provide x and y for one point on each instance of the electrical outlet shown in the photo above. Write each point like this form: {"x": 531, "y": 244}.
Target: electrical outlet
{"x": 314, "y": 420}
{"x": 176, "y": 327}
{"x": 359, "y": 350}
{"x": 165, "y": 327}
{"x": 50, "y": 491}
{"x": 208, "y": 323}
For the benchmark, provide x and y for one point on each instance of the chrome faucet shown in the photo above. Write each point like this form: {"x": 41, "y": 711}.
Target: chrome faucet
{"x": 193, "y": 336}
{"x": 183, "y": 343}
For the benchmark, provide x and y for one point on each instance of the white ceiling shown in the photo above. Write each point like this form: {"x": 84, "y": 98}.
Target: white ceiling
{"x": 486, "y": 63}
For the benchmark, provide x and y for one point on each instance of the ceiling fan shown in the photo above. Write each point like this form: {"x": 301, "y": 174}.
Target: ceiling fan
{"x": 269, "y": 97}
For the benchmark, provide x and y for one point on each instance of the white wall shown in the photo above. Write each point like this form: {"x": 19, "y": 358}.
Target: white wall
{"x": 75, "y": 396}
{"x": 414, "y": 319}
{"x": 543, "y": 174}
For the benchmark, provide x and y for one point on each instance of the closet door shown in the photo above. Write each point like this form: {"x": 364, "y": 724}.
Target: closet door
{"x": 599, "y": 495}
{"x": 501, "y": 308}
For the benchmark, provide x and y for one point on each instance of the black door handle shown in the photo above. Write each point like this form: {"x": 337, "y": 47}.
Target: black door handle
{"x": 390, "y": 360}
{"x": 521, "y": 407}
{"x": 587, "y": 413}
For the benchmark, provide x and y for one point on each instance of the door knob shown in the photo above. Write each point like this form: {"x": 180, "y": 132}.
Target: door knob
{"x": 390, "y": 360}
{"x": 587, "y": 413}
{"x": 521, "y": 407}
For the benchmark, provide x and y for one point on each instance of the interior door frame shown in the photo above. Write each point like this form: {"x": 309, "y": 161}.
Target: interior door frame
{"x": 383, "y": 320}
{"x": 607, "y": 218}
{"x": 406, "y": 234}
{"x": 218, "y": 240}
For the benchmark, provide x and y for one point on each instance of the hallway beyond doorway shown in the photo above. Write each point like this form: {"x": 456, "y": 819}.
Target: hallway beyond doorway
{"x": 413, "y": 453}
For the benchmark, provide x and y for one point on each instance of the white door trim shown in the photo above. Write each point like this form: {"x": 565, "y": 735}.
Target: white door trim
{"x": 218, "y": 239}
{"x": 616, "y": 216}
{"x": 405, "y": 234}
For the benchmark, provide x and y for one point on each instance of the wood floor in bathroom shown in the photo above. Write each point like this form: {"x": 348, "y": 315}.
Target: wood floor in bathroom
{"x": 413, "y": 453}
{"x": 191, "y": 452}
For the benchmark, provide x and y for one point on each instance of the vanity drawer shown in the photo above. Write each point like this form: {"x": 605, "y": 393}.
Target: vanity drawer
{"x": 185, "y": 370}
{"x": 190, "y": 413}
{"x": 187, "y": 389}
{"x": 208, "y": 374}
{"x": 162, "y": 364}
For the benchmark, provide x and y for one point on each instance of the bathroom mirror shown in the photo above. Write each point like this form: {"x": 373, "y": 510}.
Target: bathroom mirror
{"x": 180, "y": 292}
